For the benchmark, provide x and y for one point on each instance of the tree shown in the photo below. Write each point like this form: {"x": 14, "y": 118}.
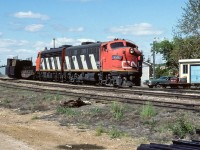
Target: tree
{"x": 186, "y": 41}
{"x": 190, "y": 22}
{"x": 187, "y": 36}
{"x": 165, "y": 48}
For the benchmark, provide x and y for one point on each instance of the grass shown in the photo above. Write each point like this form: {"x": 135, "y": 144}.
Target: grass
{"x": 6, "y": 101}
{"x": 182, "y": 126}
{"x": 96, "y": 110}
{"x": 35, "y": 117}
{"x": 67, "y": 111}
{"x": 117, "y": 110}
{"x": 58, "y": 97}
{"x": 115, "y": 133}
{"x": 99, "y": 130}
{"x": 148, "y": 111}
{"x": 48, "y": 97}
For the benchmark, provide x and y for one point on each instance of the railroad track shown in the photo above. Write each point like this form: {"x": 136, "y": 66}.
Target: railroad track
{"x": 108, "y": 97}
{"x": 172, "y": 93}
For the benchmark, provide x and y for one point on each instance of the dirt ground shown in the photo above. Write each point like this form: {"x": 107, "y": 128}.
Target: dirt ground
{"x": 37, "y": 121}
{"x": 21, "y": 132}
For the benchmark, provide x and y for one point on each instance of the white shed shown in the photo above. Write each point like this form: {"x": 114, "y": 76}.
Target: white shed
{"x": 146, "y": 69}
{"x": 190, "y": 69}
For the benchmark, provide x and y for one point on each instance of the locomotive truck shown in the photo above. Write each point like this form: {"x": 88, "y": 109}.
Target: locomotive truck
{"x": 116, "y": 63}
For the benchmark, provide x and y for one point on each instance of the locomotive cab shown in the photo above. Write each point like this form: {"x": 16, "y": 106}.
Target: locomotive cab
{"x": 123, "y": 60}
{"x": 120, "y": 55}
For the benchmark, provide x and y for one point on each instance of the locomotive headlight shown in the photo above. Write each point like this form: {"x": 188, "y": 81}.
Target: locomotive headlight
{"x": 131, "y": 50}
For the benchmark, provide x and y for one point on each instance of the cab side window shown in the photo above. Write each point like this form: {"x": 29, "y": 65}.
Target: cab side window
{"x": 105, "y": 48}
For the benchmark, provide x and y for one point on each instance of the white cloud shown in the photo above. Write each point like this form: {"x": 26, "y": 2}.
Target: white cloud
{"x": 61, "y": 28}
{"x": 10, "y": 43}
{"x": 85, "y": 40}
{"x": 136, "y": 29}
{"x": 34, "y": 27}
{"x": 10, "y": 47}
{"x": 111, "y": 37}
{"x": 30, "y": 15}
{"x": 39, "y": 45}
{"x": 25, "y": 51}
{"x": 79, "y": 29}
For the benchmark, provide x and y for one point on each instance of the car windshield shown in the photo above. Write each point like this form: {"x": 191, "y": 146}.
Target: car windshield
{"x": 163, "y": 78}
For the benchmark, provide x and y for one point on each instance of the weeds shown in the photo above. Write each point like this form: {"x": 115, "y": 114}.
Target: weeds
{"x": 67, "y": 111}
{"x": 117, "y": 111}
{"x": 35, "y": 117}
{"x": 99, "y": 130}
{"x": 182, "y": 127}
{"x": 6, "y": 101}
{"x": 82, "y": 126}
{"x": 96, "y": 110}
{"x": 47, "y": 97}
{"x": 148, "y": 111}
{"x": 115, "y": 133}
{"x": 58, "y": 97}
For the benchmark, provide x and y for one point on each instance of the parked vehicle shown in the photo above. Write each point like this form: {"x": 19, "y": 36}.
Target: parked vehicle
{"x": 162, "y": 80}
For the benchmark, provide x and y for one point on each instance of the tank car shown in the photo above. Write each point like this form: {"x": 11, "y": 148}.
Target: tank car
{"x": 117, "y": 63}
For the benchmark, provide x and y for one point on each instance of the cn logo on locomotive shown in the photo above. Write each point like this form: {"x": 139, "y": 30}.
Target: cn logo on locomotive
{"x": 128, "y": 64}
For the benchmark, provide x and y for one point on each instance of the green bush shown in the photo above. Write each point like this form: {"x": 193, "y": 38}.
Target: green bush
{"x": 148, "y": 111}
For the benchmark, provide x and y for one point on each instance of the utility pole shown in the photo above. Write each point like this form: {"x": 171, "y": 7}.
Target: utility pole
{"x": 154, "y": 58}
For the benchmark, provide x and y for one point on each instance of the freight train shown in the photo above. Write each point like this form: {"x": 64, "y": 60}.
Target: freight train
{"x": 116, "y": 63}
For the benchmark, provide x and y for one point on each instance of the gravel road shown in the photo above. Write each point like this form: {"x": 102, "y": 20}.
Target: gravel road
{"x": 9, "y": 143}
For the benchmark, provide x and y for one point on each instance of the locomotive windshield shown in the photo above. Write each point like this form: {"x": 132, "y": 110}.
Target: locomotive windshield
{"x": 117, "y": 45}
{"x": 130, "y": 44}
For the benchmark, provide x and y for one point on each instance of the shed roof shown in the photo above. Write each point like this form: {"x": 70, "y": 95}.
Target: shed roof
{"x": 189, "y": 60}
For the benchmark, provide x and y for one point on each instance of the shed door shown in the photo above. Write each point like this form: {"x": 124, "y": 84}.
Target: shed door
{"x": 195, "y": 74}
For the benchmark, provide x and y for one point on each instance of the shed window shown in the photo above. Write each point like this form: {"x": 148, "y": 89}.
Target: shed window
{"x": 185, "y": 69}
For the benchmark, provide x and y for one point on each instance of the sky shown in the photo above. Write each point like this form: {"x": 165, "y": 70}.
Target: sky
{"x": 28, "y": 26}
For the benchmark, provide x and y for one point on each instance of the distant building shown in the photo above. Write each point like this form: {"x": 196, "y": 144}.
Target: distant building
{"x": 163, "y": 67}
{"x": 189, "y": 69}
{"x": 146, "y": 71}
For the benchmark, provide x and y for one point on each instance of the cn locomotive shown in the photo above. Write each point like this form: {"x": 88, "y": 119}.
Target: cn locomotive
{"x": 116, "y": 63}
